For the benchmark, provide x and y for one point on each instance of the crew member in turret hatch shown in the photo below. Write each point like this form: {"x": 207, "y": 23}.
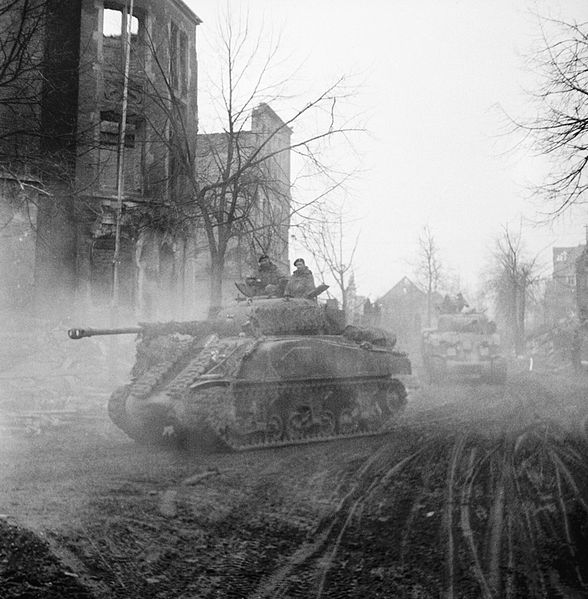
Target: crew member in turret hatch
{"x": 301, "y": 282}
{"x": 268, "y": 280}
{"x": 460, "y": 303}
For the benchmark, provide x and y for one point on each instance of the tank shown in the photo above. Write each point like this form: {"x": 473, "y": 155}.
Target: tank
{"x": 264, "y": 372}
{"x": 464, "y": 346}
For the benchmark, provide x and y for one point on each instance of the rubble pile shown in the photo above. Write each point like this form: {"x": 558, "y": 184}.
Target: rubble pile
{"x": 550, "y": 348}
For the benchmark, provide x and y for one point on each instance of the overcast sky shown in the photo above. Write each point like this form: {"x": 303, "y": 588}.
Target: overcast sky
{"x": 436, "y": 78}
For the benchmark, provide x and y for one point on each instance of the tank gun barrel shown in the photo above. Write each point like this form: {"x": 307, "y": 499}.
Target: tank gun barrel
{"x": 81, "y": 333}
{"x": 191, "y": 327}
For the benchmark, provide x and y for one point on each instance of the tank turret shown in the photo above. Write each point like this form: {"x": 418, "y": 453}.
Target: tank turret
{"x": 264, "y": 371}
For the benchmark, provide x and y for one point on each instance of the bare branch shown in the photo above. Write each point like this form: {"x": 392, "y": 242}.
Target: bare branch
{"x": 559, "y": 130}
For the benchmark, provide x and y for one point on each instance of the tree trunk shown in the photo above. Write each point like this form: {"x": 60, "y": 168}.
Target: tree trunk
{"x": 344, "y": 299}
{"x": 181, "y": 307}
{"x": 216, "y": 285}
{"x": 521, "y": 320}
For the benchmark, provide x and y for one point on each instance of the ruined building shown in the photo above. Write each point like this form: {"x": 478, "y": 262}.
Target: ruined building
{"x": 61, "y": 101}
{"x": 261, "y": 216}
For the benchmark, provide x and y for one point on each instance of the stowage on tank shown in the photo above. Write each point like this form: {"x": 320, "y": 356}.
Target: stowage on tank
{"x": 265, "y": 371}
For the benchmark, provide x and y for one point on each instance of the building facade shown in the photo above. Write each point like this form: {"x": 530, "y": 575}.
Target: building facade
{"x": 83, "y": 191}
{"x": 560, "y": 291}
{"x": 257, "y": 203}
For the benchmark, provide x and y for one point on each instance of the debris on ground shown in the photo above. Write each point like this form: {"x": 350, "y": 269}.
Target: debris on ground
{"x": 29, "y": 569}
{"x": 480, "y": 491}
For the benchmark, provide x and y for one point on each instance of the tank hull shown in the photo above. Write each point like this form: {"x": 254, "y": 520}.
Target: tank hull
{"x": 460, "y": 355}
{"x": 441, "y": 369}
{"x": 238, "y": 393}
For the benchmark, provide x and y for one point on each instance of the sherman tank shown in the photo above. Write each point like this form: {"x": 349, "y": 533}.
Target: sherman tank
{"x": 265, "y": 371}
{"x": 463, "y": 346}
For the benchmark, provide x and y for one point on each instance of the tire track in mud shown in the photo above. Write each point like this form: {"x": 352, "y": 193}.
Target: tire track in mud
{"x": 317, "y": 553}
{"x": 455, "y": 503}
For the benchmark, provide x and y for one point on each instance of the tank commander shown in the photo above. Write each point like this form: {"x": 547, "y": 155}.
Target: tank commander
{"x": 268, "y": 280}
{"x": 447, "y": 306}
{"x": 301, "y": 282}
{"x": 453, "y": 306}
{"x": 460, "y": 303}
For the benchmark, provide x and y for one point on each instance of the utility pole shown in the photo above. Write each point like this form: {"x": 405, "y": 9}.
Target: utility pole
{"x": 127, "y": 16}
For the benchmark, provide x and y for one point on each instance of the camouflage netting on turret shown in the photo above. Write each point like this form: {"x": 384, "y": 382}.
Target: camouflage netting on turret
{"x": 288, "y": 318}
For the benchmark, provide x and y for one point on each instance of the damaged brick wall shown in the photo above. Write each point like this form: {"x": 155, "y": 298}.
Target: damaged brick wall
{"x": 147, "y": 181}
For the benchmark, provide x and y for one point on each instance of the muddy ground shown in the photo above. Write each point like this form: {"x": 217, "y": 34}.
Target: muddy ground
{"x": 480, "y": 491}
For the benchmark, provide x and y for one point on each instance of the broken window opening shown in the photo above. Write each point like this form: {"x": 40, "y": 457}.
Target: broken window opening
{"x": 133, "y": 157}
{"x": 112, "y": 40}
{"x": 178, "y": 59}
{"x": 112, "y": 25}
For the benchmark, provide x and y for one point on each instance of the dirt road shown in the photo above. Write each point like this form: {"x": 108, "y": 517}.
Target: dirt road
{"x": 480, "y": 492}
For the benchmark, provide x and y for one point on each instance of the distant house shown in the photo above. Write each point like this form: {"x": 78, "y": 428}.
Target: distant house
{"x": 404, "y": 312}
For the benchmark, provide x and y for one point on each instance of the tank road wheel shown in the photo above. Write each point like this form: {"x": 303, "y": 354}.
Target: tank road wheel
{"x": 274, "y": 430}
{"x": 390, "y": 399}
{"x": 396, "y": 398}
{"x": 347, "y": 422}
{"x": 297, "y": 423}
{"x": 343, "y": 403}
{"x": 328, "y": 423}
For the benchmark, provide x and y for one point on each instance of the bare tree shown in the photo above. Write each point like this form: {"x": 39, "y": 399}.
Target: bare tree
{"x": 512, "y": 281}
{"x": 324, "y": 237}
{"x": 429, "y": 267}
{"x": 560, "y": 128}
{"x": 39, "y": 66}
{"x": 39, "y": 60}
{"x": 21, "y": 63}
{"x": 21, "y": 55}
{"x": 237, "y": 182}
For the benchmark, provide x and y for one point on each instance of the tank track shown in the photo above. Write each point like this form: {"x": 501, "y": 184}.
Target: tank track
{"x": 153, "y": 374}
{"x": 158, "y": 424}
{"x": 159, "y": 428}
{"x": 211, "y": 420}
{"x": 257, "y": 416}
